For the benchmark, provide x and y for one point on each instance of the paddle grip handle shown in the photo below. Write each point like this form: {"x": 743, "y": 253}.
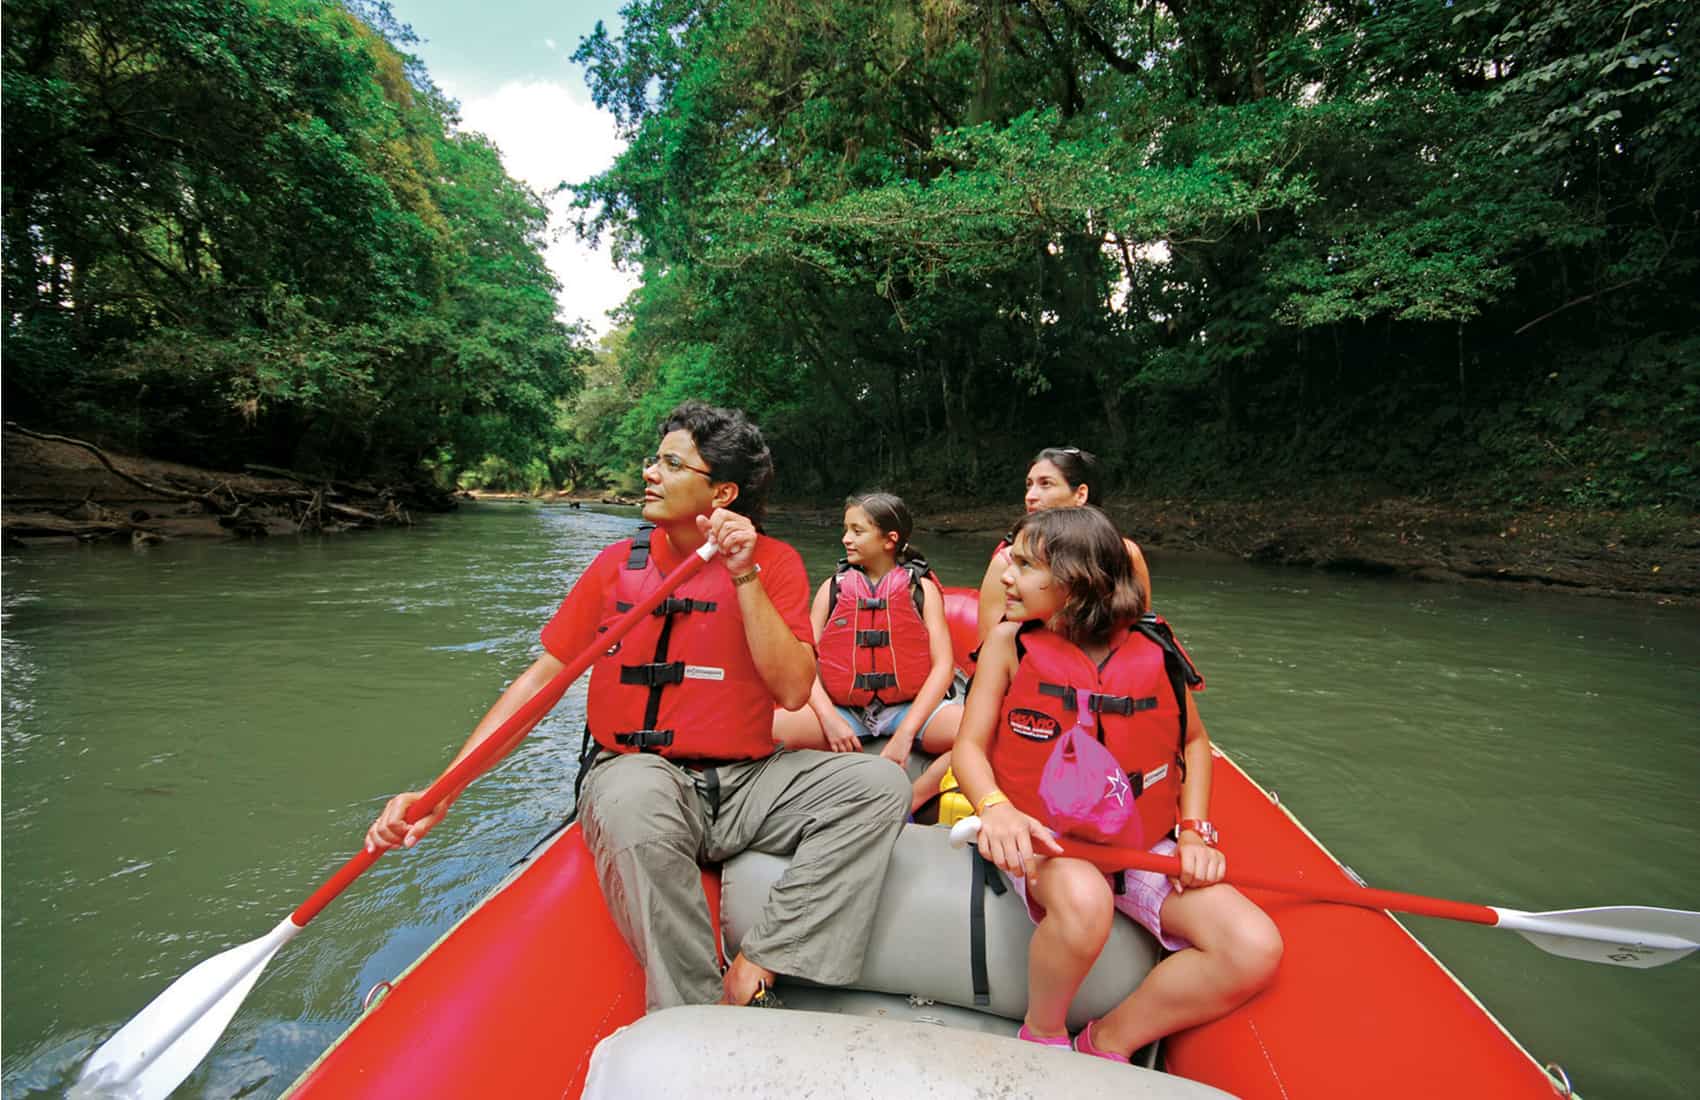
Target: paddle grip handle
{"x": 1345, "y": 893}
{"x": 510, "y": 732}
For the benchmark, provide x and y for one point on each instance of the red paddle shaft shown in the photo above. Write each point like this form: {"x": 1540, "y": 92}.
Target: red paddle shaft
{"x": 1116, "y": 859}
{"x": 513, "y": 730}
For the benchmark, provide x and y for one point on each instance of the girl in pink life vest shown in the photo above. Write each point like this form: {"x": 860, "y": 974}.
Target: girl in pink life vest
{"x": 1074, "y": 649}
{"x": 883, "y": 648}
{"x": 1058, "y": 477}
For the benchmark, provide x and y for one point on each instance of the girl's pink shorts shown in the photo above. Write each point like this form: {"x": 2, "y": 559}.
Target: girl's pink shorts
{"x": 1142, "y": 899}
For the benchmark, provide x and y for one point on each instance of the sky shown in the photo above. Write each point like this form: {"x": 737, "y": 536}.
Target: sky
{"x": 508, "y": 63}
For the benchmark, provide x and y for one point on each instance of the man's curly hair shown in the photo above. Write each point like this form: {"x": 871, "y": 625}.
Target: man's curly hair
{"x": 734, "y": 449}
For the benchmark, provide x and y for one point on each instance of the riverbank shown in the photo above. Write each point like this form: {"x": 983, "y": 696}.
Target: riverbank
{"x": 57, "y": 491}
{"x": 1646, "y": 555}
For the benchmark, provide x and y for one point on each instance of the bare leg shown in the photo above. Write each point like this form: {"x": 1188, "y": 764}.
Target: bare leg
{"x": 940, "y": 733}
{"x": 1235, "y": 953}
{"x": 927, "y": 785}
{"x": 937, "y": 738}
{"x": 1078, "y": 908}
{"x": 798, "y": 729}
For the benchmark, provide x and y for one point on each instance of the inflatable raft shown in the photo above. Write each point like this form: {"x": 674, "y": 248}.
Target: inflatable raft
{"x": 534, "y": 994}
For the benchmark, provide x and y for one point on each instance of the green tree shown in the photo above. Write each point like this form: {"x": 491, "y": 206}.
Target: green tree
{"x": 253, "y": 230}
{"x": 1228, "y": 243}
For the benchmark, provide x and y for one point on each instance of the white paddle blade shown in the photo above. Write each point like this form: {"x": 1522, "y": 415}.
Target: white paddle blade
{"x": 153, "y": 1053}
{"x": 1641, "y": 936}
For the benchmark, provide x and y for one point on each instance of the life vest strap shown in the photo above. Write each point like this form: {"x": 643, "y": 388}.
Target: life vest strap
{"x": 875, "y": 681}
{"x": 1061, "y": 691}
{"x": 1124, "y": 705}
{"x": 672, "y": 605}
{"x": 870, "y": 603}
{"x": 653, "y": 675}
{"x": 637, "y": 555}
{"x": 1096, "y": 703}
{"x": 645, "y": 740}
{"x": 873, "y": 639}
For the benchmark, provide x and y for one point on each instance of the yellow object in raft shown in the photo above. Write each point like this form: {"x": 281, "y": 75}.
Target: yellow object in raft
{"x": 953, "y": 804}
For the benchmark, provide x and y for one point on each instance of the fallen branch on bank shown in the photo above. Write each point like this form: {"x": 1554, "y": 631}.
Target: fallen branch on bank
{"x": 349, "y": 487}
{"x": 310, "y": 504}
{"x": 157, "y": 490}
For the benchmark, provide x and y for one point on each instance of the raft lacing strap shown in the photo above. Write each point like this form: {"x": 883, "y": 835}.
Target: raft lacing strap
{"x": 984, "y": 877}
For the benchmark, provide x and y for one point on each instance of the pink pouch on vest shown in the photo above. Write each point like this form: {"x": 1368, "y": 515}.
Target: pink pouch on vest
{"x": 1087, "y": 793}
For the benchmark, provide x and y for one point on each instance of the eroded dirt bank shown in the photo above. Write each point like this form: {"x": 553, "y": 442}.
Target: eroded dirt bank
{"x": 54, "y": 490}
{"x": 1650, "y": 556}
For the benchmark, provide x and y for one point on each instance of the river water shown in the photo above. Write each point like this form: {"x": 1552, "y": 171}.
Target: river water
{"x": 196, "y": 735}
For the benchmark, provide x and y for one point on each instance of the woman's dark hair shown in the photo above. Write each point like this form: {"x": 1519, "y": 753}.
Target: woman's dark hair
{"x": 1076, "y": 466}
{"x": 733, "y": 448}
{"x": 1087, "y": 558}
{"x": 888, "y": 513}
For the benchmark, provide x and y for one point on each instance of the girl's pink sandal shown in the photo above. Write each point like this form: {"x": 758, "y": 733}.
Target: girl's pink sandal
{"x": 1083, "y": 1045}
{"x": 1043, "y": 1040}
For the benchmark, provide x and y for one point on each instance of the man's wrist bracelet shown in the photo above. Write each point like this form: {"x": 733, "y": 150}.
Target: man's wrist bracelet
{"x": 996, "y": 797}
{"x": 745, "y": 578}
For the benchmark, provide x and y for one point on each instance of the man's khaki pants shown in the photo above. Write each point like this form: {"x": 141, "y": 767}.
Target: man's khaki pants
{"x": 650, "y": 824}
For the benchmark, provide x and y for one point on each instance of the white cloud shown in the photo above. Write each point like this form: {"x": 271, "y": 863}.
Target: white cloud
{"x": 549, "y": 43}
{"x": 549, "y": 133}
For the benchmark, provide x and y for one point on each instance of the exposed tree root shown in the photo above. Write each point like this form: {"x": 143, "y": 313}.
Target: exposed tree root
{"x": 240, "y": 506}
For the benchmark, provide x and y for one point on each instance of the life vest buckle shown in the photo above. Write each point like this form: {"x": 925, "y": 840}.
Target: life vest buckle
{"x": 1123, "y": 705}
{"x": 675, "y": 605}
{"x": 653, "y": 675}
{"x": 875, "y": 681}
{"x": 645, "y": 740}
{"x": 870, "y": 603}
{"x": 873, "y": 639}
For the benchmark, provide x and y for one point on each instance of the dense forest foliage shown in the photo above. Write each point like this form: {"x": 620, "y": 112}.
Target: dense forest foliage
{"x": 252, "y": 231}
{"x": 1234, "y": 245}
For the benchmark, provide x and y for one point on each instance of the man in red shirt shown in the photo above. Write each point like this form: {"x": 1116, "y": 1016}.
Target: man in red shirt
{"x": 686, "y": 770}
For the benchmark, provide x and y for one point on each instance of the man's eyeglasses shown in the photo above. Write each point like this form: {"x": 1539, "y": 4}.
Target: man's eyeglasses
{"x": 672, "y": 464}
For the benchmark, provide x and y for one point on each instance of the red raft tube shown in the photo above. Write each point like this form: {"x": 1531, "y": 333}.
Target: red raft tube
{"x": 514, "y": 1000}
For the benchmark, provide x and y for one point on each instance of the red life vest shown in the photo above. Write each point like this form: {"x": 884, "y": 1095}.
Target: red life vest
{"x": 649, "y": 693}
{"x": 875, "y": 644}
{"x": 1136, "y": 697}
